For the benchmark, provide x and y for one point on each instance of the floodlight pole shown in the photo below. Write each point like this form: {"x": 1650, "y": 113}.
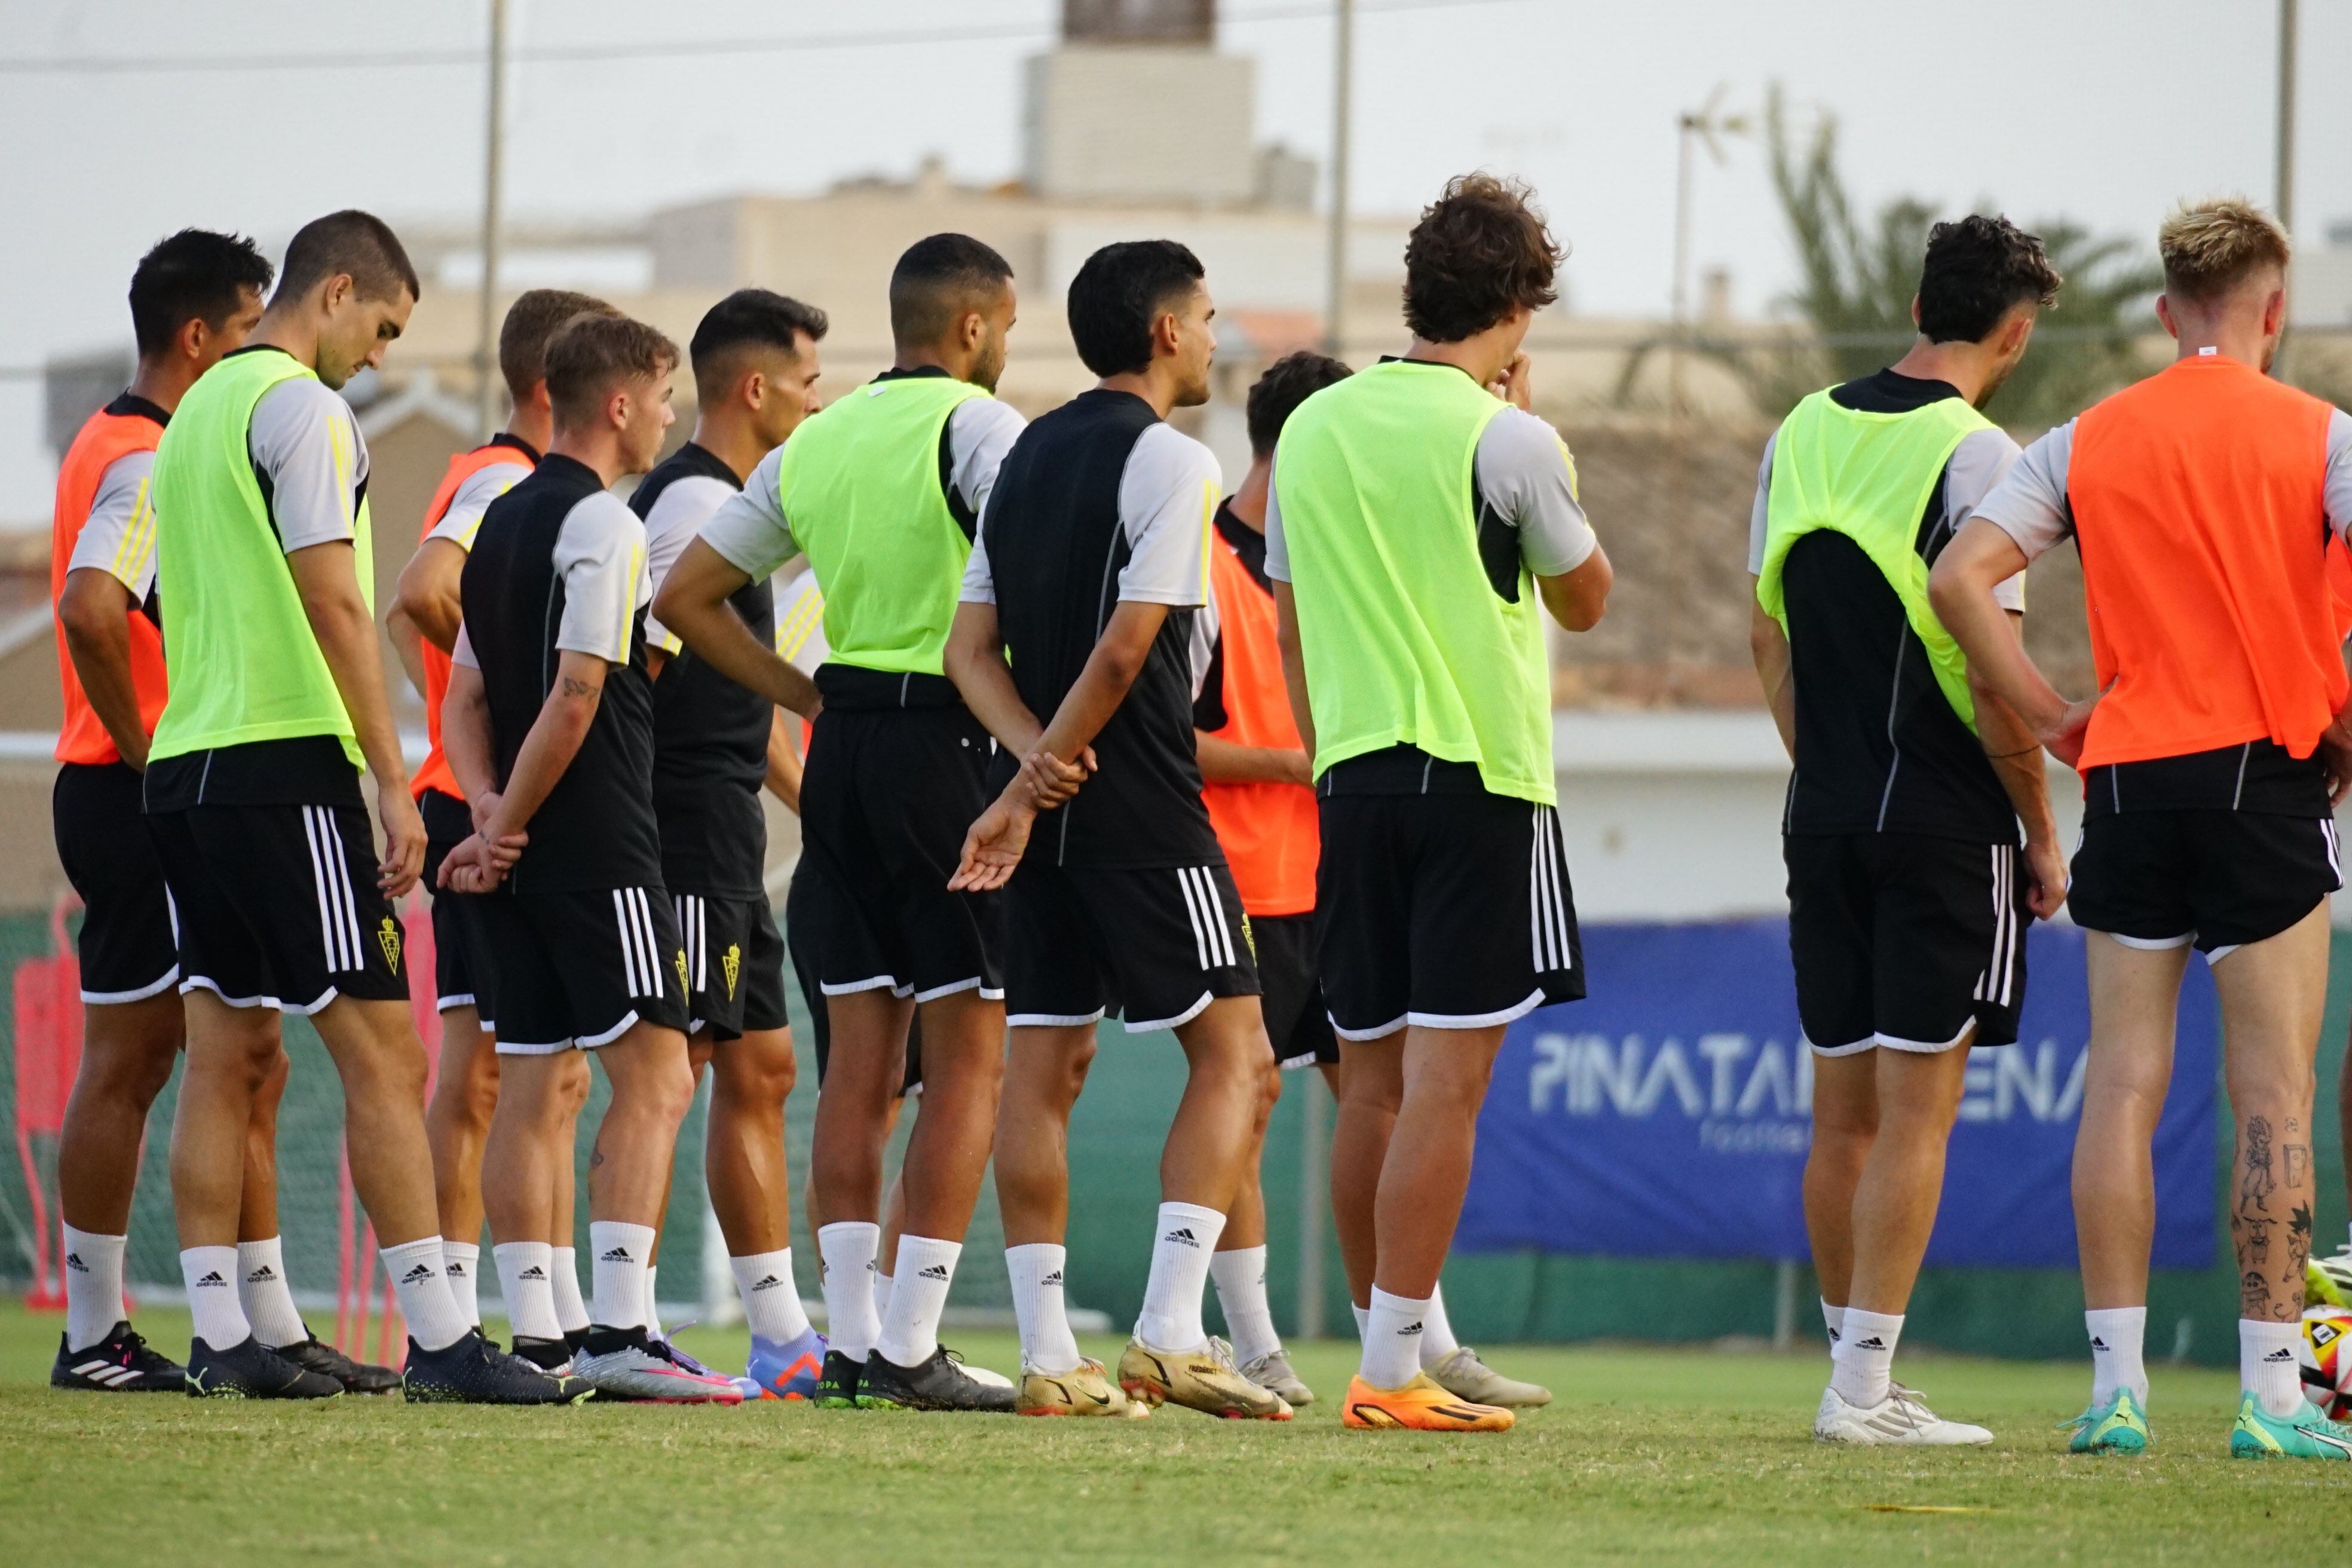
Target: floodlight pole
{"x": 2284, "y": 199}
{"x": 493, "y": 138}
{"x": 1343, "y": 74}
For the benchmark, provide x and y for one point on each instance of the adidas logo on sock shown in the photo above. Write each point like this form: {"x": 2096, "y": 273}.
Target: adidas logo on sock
{"x": 1181, "y": 1237}
{"x": 261, "y": 1276}
{"x": 457, "y": 1270}
{"x": 2098, "y": 1344}
{"x": 936, "y": 1271}
{"x": 618, "y": 1255}
{"x": 74, "y": 1262}
{"x": 1409, "y": 1328}
{"x": 1871, "y": 1344}
{"x": 533, "y": 1272}
{"x": 418, "y": 1275}
{"x": 212, "y": 1278}
{"x": 770, "y": 1283}
{"x": 2282, "y": 1353}
{"x": 1054, "y": 1279}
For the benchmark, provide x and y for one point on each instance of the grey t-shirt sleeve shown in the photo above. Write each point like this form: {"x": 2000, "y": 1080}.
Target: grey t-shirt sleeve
{"x": 1167, "y": 495}
{"x": 1974, "y": 469}
{"x": 118, "y": 537}
{"x": 1526, "y": 476}
{"x": 464, "y": 652}
{"x": 981, "y": 430}
{"x": 678, "y": 513}
{"x": 600, "y": 553}
{"x": 749, "y": 528}
{"x": 2029, "y": 504}
{"x": 464, "y": 518}
{"x": 1278, "y": 549}
{"x": 1759, "y": 516}
{"x": 304, "y": 438}
{"x": 2339, "y": 492}
{"x": 979, "y": 584}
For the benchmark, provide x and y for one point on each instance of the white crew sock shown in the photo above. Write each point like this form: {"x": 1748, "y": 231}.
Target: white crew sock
{"x": 772, "y": 1302}
{"x": 1392, "y": 1340}
{"x": 2267, "y": 1367}
{"x": 1833, "y": 1319}
{"x": 910, "y": 1322}
{"x": 93, "y": 1287}
{"x": 265, "y": 1297}
{"x": 210, "y": 1275}
{"x": 651, "y": 1316}
{"x": 1039, "y": 1306}
{"x": 1437, "y": 1341}
{"x": 1363, "y": 1321}
{"x": 420, "y": 1284}
{"x": 527, "y": 1280}
{"x": 1240, "y": 1273}
{"x": 1187, "y": 1237}
{"x": 1863, "y": 1361}
{"x": 883, "y": 1285}
{"x": 570, "y": 1310}
{"x": 847, "y": 1248}
{"x": 2116, "y": 1334}
{"x": 463, "y": 1261}
{"x": 617, "y": 1251}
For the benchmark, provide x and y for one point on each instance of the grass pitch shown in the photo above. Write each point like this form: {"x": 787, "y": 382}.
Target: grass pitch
{"x": 1647, "y": 1456}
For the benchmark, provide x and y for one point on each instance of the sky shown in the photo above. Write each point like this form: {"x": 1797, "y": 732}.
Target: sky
{"x": 2103, "y": 111}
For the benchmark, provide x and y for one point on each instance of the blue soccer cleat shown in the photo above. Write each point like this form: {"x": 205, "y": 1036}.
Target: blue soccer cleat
{"x": 786, "y": 1371}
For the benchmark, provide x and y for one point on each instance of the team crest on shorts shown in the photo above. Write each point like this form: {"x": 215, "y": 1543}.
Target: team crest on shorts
{"x": 678, "y": 959}
{"x": 731, "y": 964}
{"x": 388, "y": 938}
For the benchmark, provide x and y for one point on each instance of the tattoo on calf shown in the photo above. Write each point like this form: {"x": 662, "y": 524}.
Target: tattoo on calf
{"x": 2297, "y": 1157}
{"x": 2257, "y": 1234}
{"x": 2261, "y": 1180}
{"x": 2254, "y": 1294}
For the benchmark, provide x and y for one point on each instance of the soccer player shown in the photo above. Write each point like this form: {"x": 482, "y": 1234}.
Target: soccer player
{"x": 1908, "y": 891}
{"x": 1417, "y": 521}
{"x": 423, "y": 625}
{"x": 193, "y": 299}
{"x": 252, "y": 792}
{"x": 1091, "y": 564}
{"x": 880, "y": 491}
{"x": 716, "y": 744}
{"x": 549, "y": 727}
{"x": 2200, "y": 500}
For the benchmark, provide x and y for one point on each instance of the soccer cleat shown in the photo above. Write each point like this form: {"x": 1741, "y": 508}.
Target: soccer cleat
{"x": 629, "y": 1364}
{"x": 1084, "y": 1390}
{"x": 1424, "y": 1404}
{"x": 1901, "y": 1419}
{"x": 2328, "y": 1281}
{"x": 552, "y": 1357}
{"x": 119, "y": 1363}
{"x": 251, "y": 1370}
{"x": 785, "y": 1371}
{"x": 1274, "y": 1373}
{"x": 475, "y": 1372}
{"x": 2306, "y": 1435}
{"x": 2118, "y": 1426}
{"x": 940, "y": 1382}
{"x": 314, "y": 1355}
{"x": 836, "y": 1383}
{"x": 1205, "y": 1380}
{"x": 1461, "y": 1373}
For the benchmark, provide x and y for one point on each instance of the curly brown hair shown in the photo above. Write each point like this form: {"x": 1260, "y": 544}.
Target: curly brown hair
{"x": 1480, "y": 251}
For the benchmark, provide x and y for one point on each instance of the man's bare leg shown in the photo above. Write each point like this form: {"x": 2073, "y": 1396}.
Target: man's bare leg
{"x": 864, "y": 1066}
{"x": 1238, "y": 1269}
{"x": 526, "y": 1160}
{"x": 1845, "y": 1123}
{"x": 570, "y": 1306}
{"x": 457, "y": 1124}
{"x": 127, "y": 1053}
{"x": 629, "y": 1167}
{"x": 751, "y": 1194}
{"x": 1371, "y": 1089}
{"x": 1045, "y": 1070}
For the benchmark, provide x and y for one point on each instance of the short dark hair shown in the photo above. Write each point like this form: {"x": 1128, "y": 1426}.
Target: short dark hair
{"x": 940, "y": 278}
{"x": 1480, "y": 251}
{"x": 590, "y": 353}
{"x": 194, "y": 275}
{"x": 1287, "y": 382}
{"x": 752, "y": 318}
{"x": 1978, "y": 270}
{"x": 1119, "y": 292}
{"x": 359, "y": 244}
{"x": 531, "y": 321}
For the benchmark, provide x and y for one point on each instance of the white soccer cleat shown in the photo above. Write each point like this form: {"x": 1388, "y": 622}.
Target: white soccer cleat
{"x": 629, "y": 1363}
{"x": 1901, "y": 1419}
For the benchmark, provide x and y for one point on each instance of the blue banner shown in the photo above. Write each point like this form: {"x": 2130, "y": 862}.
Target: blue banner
{"x": 1669, "y": 1114}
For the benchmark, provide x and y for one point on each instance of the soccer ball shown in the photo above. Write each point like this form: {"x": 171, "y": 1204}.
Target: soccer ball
{"x": 2326, "y": 1358}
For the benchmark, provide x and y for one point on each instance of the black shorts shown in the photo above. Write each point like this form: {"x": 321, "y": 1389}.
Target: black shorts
{"x": 129, "y": 946}
{"x": 2217, "y": 880}
{"x": 1446, "y": 910}
{"x": 734, "y": 965}
{"x": 1154, "y": 946}
{"x": 278, "y": 905}
{"x": 461, "y": 975}
{"x": 884, "y": 804}
{"x": 821, "y": 1023}
{"x": 579, "y": 966}
{"x": 1905, "y": 941}
{"x": 1297, "y": 1020}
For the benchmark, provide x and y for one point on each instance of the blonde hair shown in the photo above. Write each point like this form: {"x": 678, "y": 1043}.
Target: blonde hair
{"x": 2211, "y": 246}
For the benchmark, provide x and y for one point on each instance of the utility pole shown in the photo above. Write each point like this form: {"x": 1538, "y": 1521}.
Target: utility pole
{"x": 2284, "y": 199}
{"x": 486, "y": 342}
{"x": 1343, "y": 73}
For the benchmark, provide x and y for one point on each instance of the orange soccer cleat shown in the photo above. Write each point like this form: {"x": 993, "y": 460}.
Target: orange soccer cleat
{"x": 1420, "y": 1406}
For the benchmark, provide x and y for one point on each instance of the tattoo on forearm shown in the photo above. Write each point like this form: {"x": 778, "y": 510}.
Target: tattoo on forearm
{"x": 2260, "y": 1180}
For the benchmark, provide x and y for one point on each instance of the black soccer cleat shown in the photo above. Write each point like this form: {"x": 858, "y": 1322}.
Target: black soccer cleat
{"x": 251, "y": 1370}
{"x": 119, "y": 1363}
{"x": 577, "y": 1339}
{"x": 472, "y": 1372}
{"x": 551, "y": 1356}
{"x": 837, "y": 1381}
{"x": 940, "y": 1383}
{"x": 315, "y": 1354}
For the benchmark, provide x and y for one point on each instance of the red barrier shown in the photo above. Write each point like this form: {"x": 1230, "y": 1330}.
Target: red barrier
{"x": 47, "y": 1029}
